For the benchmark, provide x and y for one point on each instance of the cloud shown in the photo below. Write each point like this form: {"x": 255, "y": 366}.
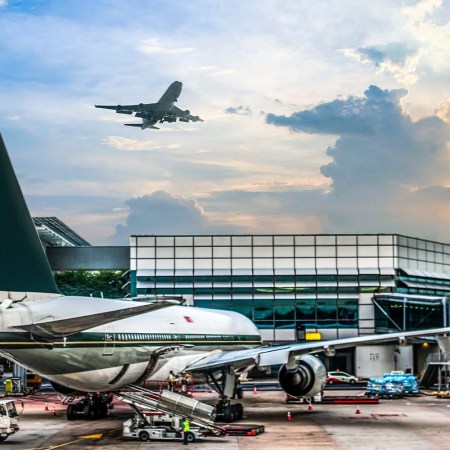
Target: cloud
{"x": 3, "y": 3}
{"x": 385, "y": 169}
{"x": 153, "y": 45}
{"x": 241, "y": 110}
{"x": 397, "y": 58}
{"x": 163, "y": 213}
{"x": 133, "y": 145}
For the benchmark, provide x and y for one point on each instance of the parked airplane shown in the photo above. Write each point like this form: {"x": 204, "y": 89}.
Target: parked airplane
{"x": 162, "y": 111}
{"x": 93, "y": 345}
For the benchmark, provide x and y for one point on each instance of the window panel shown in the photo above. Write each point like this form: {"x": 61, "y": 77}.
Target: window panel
{"x": 222, "y": 240}
{"x": 283, "y": 240}
{"x": 325, "y": 251}
{"x": 145, "y": 252}
{"x": 283, "y": 263}
{"x": 184, "y": 241}
{"x": 259, "y": 263}
{"x": 242, "y": 263}
{"x": 203, "y": 264}
{"x": 304, "y": 240}
{"x": 202, "y": 240}
{"x": 203, "y": 252}
{"x": 346, "y": 251}
{"x": 143, "y": 241}
{"x": 283, "y": 252}
{"x": 302, "y": 252}
{"x": 241, "y": 252}
{"x": 368, "y": 251}
{"x": 222, "y": 252}
{"x": 164, "y": 252}
{"x": 305, "y": 263}
{"x": 385, "y": 240}
{"x": 262, "y": 252}
{"x": 184, "y": 263}
{"x": 242, "y": 240}
{"x": 184, "y": 252}
{"x": 164, "y": 241}
{"x": 326, "y": 263}
{"x": 325, "y": 240}
{"x": 367, "y": 240}
{"x": 165, "y": 264}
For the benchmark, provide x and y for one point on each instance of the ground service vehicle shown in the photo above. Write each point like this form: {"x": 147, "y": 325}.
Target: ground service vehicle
{"x": 9, "y": 419}
{"x": 159, "y": 427}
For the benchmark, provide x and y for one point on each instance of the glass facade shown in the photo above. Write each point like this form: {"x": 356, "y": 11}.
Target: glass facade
{"x": 289, "y": 282}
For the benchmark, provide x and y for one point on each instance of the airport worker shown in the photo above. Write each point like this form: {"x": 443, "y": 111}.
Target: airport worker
{"x": 171, "y": 380}
{"x": 185, "y": 427}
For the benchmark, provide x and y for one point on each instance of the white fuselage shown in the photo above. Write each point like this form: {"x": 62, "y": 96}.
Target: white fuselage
{"x": 131, "y": 350}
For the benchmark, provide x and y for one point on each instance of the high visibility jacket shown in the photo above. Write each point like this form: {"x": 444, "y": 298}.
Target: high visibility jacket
{"x": 186, "y": 426}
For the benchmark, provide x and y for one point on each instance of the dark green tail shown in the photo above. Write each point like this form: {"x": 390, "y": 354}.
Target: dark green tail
{"x": 23, "y": 264}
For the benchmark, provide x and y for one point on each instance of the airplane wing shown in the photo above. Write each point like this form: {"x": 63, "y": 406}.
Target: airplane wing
{"x": 184, "y": 116}
{"x": 129, "y": 109}
{"x": 277, "y": 355}
{"x": 70, "y": 321}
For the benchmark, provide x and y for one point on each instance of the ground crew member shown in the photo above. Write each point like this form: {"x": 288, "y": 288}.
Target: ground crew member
{"x": 185, "y": 427}
{"x": 171, "y": 380}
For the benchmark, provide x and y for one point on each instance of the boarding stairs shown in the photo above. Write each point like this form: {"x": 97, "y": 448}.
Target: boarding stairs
{"x": 169, "y": 402}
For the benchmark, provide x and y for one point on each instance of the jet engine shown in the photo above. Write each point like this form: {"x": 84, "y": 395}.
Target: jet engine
{"x": 187, "y": 112}
{"x": 141, "y": 106}
{"x": 306, "y": 379}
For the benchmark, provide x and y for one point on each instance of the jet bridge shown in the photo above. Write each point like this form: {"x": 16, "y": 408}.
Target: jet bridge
{"x": 168, "y": 402}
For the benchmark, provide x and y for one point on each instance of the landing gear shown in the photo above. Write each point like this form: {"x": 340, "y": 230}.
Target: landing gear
{"x": 227, "y": 386}
{"x": 92, "y": 407}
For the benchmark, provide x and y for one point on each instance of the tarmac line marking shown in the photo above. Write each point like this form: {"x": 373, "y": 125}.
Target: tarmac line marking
{"x": 81, "y": 438}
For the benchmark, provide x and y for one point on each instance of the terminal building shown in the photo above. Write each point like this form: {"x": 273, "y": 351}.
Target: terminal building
{"x": 336, "y": 286}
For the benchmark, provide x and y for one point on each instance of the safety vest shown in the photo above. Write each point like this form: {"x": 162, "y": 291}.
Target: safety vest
{"x": 186, "y": 426}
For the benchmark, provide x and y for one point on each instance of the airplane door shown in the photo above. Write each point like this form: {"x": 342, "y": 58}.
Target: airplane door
{"x": 110, "y": 338}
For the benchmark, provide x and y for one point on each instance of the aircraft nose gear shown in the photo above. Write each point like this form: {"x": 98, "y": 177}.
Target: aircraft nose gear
{"x": 227, "y": 385}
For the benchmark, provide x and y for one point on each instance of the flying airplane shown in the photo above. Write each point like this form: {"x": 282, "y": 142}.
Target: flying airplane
{"x": 92, "y": 345}
{"x": 162, "y": 111}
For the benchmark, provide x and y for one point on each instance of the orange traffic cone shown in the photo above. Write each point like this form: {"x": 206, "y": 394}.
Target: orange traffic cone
{"x": 309, "y": 406}
{"x": 254, "y": 390}
{"x": 357, "y": 410}
{"x": 289, "y": 416}
{"x": 46, "y": 407}
{"x": 53, "y": 412}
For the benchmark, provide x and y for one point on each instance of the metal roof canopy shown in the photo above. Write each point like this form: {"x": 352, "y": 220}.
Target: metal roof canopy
{"x": 56, "y": 233}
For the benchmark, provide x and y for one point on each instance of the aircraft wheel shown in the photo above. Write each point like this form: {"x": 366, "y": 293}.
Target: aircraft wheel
{"x": 228, "y": 415}
{"x": 144, "y": 436}
{"x": 239, "y": 411}
{"x": 88, "y": 412}
{"x": 190, "y": 437}
{"x": 70, "y": 413}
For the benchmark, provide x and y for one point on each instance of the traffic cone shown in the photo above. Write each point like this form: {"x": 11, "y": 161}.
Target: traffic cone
{"x": 357, "y": 410}
{"x": 289, "y": 416}
{"x": 254, "y": 390}
{"x": 53, "y": 412}
{"x": 46, "y": 407}
{"x": 309, "y": 406}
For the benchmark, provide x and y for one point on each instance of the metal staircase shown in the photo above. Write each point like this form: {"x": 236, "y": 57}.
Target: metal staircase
{"x": 168, "y": 402}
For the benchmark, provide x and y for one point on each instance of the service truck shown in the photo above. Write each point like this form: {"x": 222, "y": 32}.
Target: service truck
{"x": 159, "y": 426}
{"x": 9, "y": 419}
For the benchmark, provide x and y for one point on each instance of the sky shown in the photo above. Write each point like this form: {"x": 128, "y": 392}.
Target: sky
{"x": 320, "y": 116}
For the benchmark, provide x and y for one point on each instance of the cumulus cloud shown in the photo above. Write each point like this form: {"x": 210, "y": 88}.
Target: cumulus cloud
{"x": 397, "y": 58}
{"x": 385, "y": 169}
{"x": 241, "y": 110}
{"x": 163, "y": 213}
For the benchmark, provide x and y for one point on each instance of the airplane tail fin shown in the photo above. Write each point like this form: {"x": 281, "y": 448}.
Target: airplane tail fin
{"x": 23, "y": 264}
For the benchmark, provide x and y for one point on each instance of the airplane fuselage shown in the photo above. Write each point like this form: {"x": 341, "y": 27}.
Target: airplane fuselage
{"x": 164, "y": 105}
{"x": 138, "y": 349}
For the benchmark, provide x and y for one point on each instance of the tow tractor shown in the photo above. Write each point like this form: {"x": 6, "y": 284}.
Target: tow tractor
{"x": 9, "y": 419}
{"x": 159, "y": 426}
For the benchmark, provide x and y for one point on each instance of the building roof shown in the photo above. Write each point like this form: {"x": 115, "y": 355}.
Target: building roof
{"x": 55, "y": 233}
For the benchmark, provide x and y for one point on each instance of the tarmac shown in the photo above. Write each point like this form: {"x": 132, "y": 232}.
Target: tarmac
{"x": 410, "y": 423}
